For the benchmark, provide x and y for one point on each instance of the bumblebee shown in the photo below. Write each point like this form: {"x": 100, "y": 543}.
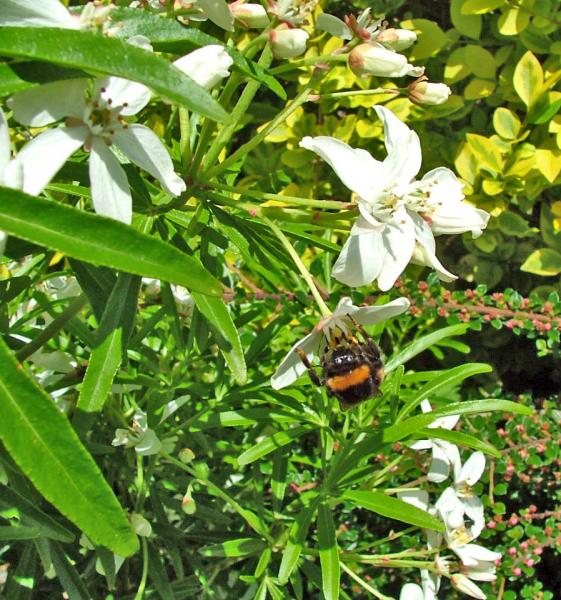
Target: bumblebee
{"x": 352, "y": 369}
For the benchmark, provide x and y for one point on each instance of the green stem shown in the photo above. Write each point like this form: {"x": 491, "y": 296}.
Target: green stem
{"x": 360, "y": 93}
{"x": 306, "y": 62}
{"x": 239, "y": 111}
{"x": 259, "y": 137}
{"x": 291, "y": 200}
{"x": 324, "y": 309}
{"x": 142, "y": 585}
{"x": 185, "y": 137}
{"x": 53, "y": 328}
{"x": 363, "y": 583}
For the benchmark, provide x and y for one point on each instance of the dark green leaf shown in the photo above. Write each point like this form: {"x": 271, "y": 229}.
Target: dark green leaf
{"x": 328, "y": 553}
{"x": 44, "y": 445}
{"x": 100, "y": 241}
{"x": 105, "y": 55}
{"x": 225, "y": 333}
{"x": 22, "y": 76}
{"x": 266, "y": 446}
{"x": 235, "y": 548}
{"x": 68, "y": 576}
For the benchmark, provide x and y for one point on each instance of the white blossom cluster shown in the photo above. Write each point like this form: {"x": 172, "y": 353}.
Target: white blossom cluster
{"x": 457, "y": 503}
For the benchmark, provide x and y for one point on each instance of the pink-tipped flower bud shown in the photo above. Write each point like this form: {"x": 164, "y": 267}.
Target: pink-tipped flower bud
{"x": 250, "y": 15}
{"x": 373, "y": 59}
{"x": 397, "y": 39}
{"x": 287, "y": 42}
{"x": 423, "y": 92}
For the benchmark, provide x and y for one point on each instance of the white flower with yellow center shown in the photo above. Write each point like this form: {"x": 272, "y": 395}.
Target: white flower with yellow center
{"x": 399, "y": 215}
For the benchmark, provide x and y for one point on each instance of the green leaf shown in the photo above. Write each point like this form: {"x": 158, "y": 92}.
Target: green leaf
{"x": 458, "y": 438}
{"x": 393, "y": 508}
{"x": 46, "y": 448}
{"x": 100, "y": 241}
{"x": 480, "y": 61}
{"x": 431, "y": 39}
{"x": 543, "y": 114}
{"x": 22, "y": 76}
{"x": 266, "y": 446}
{"x": 487, "y": 153}
{"x": 418, "y": 346}
{"x": 225, "y": 333}
{"x": 296, "y": 539}
{"x": 404, "y": 429}
{"x": 157, "y": 573}
{"x": 69, "y": 578}
{"x": 513, "y": 21}
{"x": 545, "y": 262}
{"x": 19, "y": 532}
{"x": 111, "y": 342}
{"x": 242, "y": 418}
{"x": 506, "y": 123}
{"x": 469, "y": 25}
{"x": 170, "y": 36}
{"x": 480, "y": 7}
{"x": 443, "y": 381}
{"x": 528, "y": 79}
{"x": 513, "y": 224}
{"x": 328, "y": 553}
{"x": 234, "y": 548}
{"x": 48, "y": 527}
{"x": 105, "y": 55}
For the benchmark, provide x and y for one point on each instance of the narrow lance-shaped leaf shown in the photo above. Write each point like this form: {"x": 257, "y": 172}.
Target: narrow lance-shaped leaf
{"x": 112, "y": 337}
{"x": 459, "y": 438}
{"x": 109, "y": 56}
{"x": 226, "y": 334}
{"x": 328, "y": 553}
{"x": 393, "y": 508}
{"x": 100, "y": 241}
{"x": 46, "y": 448}
{"x": 67, "y": 574}
{"x": 271, "y": 443}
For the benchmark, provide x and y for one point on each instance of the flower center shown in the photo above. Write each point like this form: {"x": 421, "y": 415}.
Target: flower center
{"x": 460, "y": 536}
{"x": 102, "y": 118}
{"x": 463, "y": 490}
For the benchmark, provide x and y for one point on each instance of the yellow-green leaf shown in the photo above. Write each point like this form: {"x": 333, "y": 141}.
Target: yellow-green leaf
{"x": 528, "y": 79}
{"x": 513, "y": 21}
{"x": 430, "y": 38}
{"x": 469, "y": 25}
{"x": 506, "y": 123}
{"x": 486, "y": 152}
{"x": 546, "y": 262}
{"x": 548, "y": 163}
{"x": 480, "y": 7}
{"x": 479, "y": 88}
{"x": 481, "y": 62}
{"x": 456, "y": 67}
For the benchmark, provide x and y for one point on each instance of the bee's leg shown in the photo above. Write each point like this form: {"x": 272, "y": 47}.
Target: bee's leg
{"x": 370, "y": 343}
{"x": 313, "y": 375}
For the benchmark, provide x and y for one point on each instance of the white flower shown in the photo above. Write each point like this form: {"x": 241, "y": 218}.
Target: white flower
{"x": 140, "y": 437}
{"x": 370, "y": 59}
{"x": 207, "y": 66}
{"x": 364, "y": 27}
{"x": 96, "y": 120}
{"x": 464, "y": 585}
{"x": 292, "y": 366}
{"x": 294, "y": 12}
{"x": 52, "y": 13}
{"x": 444, "y": 454}
{"x": 458, "y": 536}
{"x": 288, "y": 43}
{"x": 250, "y": 15}
{"x": 423, "y": 92}
{"x": 465, "y": 477}
{"x": 183, "y": 299}
{"x": 411, "y": 591}
{"x": 398, "y": 213}
{"x": 397, "y": 39}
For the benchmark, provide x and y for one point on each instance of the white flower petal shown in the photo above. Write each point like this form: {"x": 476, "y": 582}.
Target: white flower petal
{"x": 473, "y": 508}
{"x": 218, "y": 12}
{"x": 144, "y": 148}
{"x": 361, "y": 259}
{"x": 13, "y": 175}
{"x": 399, "y": 242}
{"x": 431, "y": 583}
{"x": 411, "y": 591}
{"x": 42, "y": 157}
{"x": 425, "y": 252}
{"x": 421, "y": 445}
{"x": 131, "y": 95}
{"x": 417, "y": 498}
{"x": 473, "y": 468}
{"x": 464, "y": 585}
{"x": 356, "y": 168}
{"x": 334, "y": 26}
{"x": 50, "y": 102}
{"x": 3, "y": 240}
{"x": 483, "y": 571}
{"x": 446, "y": 422}
{"x": 207, "y": 66}
{"x": 4, "y": 143}
{"x": 439, "y": 469}
{"x": 110, "y": 189}
{"x": 369, "y": 315}
{"x": 36, "y": 13}
{"x": 449, "y": 504}
{"x": 421, "y": 256}
{"x": 473, "y": 554}
{"x": 292, "y": 366}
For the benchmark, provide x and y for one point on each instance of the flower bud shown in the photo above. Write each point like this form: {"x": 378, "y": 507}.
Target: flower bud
{"x": 397, "y": 39}
{"x": 140, "y": 525}
{"x": 287, "y": 43}
{"x": 250, "y": 15}
{"x": 423, "y": 92}
{"x": 186, "y": 455}
{"x": 188, "y": 504}
{"x": 207, "y": 65}
{"x": 373, "y": 59}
